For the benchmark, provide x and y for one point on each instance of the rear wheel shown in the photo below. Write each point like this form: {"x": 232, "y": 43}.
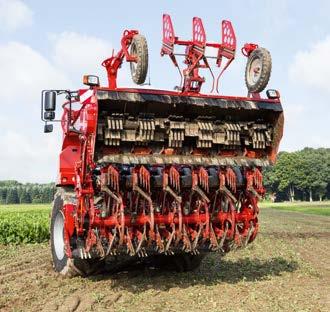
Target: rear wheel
{"x": 61, "y": 262}
{"x": 139, "y": 69}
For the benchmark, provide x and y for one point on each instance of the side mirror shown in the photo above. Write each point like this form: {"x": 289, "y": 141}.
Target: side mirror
{"x": 50, "y": 101}
{"x": 48, "y": 128}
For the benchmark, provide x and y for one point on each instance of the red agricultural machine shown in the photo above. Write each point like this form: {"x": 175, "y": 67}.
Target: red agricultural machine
{"x": 156, "y": 174}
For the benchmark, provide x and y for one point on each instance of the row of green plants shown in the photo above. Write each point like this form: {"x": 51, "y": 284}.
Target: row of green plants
{"x": 24, "y": 224}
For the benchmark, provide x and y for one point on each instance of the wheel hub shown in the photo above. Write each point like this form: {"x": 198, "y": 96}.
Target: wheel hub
{"x": 255, "y": 71}
{"x": 58, "y": 236}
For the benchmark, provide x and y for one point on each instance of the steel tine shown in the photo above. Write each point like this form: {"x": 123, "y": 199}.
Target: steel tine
{"x": 143, "y": 177}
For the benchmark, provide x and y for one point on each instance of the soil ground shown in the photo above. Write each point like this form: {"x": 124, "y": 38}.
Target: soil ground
{"x": 287, "y": 268}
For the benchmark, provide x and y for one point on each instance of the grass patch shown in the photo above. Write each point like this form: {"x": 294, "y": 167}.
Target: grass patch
{"x": 24, "y": 223}
{"x": 317, "y": 208}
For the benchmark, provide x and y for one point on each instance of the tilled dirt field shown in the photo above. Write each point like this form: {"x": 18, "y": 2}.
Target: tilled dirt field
{"x": 287, "y": 268}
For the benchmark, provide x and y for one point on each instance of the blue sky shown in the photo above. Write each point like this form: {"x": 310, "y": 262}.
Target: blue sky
{"x": 51, "y": 44}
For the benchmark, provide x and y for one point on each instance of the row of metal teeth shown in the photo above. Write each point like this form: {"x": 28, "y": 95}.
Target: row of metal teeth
{"x": 179, "y": 233}
{"x": 136, "y": 248}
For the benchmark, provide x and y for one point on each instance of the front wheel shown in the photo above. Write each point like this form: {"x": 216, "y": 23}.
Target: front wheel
{"x": 61, "y": 262}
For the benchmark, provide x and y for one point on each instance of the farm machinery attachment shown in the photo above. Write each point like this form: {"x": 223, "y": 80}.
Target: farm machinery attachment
{"x": 194, "y": 56}
{"x": 155, "y": 173}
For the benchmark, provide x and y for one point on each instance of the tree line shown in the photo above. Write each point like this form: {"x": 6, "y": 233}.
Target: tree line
{"x": 302, "y": 175}
{"x": 13, "y": 192}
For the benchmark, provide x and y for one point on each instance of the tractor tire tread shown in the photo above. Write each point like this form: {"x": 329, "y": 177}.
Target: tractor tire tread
{"x": 263, "y": 80}
{"x": 68, "y": 267}
{"x": 139, "y": 43}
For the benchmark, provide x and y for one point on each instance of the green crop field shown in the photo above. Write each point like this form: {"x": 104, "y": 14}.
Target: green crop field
{"x": 287, "y": 268}
{"x": 24, "y": 223}
{"x": 31, "y": 208}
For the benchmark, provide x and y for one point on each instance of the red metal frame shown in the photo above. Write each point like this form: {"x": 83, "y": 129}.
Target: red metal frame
{"x": 194, "y": 56}
{"x": 159, "y": 217}
{"x": 204, "y": 223}
{"x": 85, "y": 120}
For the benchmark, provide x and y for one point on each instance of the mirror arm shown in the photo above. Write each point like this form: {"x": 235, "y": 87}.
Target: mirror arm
{"x": 69, "y": 94}
{"x": 69, "y": 112}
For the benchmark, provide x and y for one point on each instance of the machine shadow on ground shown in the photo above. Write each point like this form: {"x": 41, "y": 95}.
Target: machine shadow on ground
{"x": 140, "y": 277}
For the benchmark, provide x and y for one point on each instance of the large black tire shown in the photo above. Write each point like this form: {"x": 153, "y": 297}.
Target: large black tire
{"x": 66, "y": 266}
{"x": 258, "y": 70}
{"x": 139, "y": 48}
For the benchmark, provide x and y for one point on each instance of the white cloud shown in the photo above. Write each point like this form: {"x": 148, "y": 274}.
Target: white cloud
{"x": 14, "y": 14}
{"x": 24, "y": 73}
{"x": 308, "y": 75}
{"x": 80, "y": 54}
{"x": 27, "y": 154}
{"x": 28, "y": 157}
{"x": 31, "y": 155}
{"x": 312, "y": 67}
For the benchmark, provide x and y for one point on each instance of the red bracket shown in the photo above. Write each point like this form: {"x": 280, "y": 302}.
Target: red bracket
{"x": 249, "y": 48}
{"x": 199, "y": 36}
{"x": 194, "y": 56}
{"x": 227, "y": 49}
{"x": 168, "y": 36}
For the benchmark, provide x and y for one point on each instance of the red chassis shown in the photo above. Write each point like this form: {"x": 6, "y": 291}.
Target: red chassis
{"x": 161, "y": 221}
{"x": 152, "y": 171}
